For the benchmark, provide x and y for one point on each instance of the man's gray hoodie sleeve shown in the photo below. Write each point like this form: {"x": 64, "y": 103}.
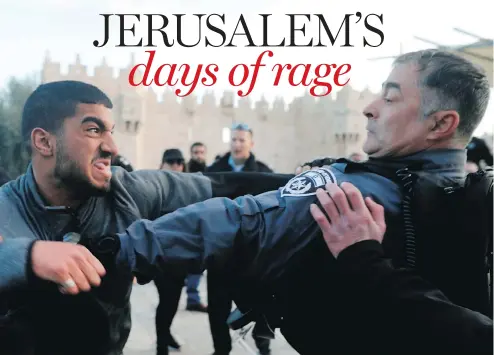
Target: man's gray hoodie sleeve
{"x": 157, "y": 192}
{"x": 15, "y": 264}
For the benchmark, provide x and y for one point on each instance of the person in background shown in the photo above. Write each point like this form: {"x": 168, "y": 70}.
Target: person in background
{"x": 197, "y": 162}
{"x": 479, "y": 155}
{"x": 170, "y": 286}
{"x": 240, "y": 157}
{"x": 173, "y": 160}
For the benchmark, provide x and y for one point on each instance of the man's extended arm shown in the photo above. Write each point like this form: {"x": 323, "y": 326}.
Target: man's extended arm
{"x": 264, "y": 232}
{"x": 157, "y": 192}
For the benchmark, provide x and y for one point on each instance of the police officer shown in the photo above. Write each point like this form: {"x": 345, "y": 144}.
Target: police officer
{"x": 68, "y": 191}
{"x": 272, "y": 250}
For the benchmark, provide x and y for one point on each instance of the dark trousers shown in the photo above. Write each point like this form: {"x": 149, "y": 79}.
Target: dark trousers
{"x": 169, "y": 290}
{"x": 219, "y": 308}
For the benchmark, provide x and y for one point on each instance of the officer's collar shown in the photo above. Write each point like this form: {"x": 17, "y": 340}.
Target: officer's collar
{"x": 429, "y": 159}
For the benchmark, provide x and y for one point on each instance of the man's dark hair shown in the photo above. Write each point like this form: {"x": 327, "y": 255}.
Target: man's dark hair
{"x": 197, "y": 144}
{"x": 450, "y": 82}
{"x": 51, "y": 103}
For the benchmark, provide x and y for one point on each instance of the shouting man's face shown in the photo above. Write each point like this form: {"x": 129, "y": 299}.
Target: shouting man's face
{"x": 85, "y": 149}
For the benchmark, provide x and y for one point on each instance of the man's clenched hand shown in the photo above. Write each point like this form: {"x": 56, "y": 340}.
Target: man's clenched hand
{"x": 71, "y": 266}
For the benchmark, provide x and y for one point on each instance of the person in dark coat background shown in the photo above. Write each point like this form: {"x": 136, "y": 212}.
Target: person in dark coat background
{"x": 479, "y": 155}
{"x": 197, "y": 162}
{"x": 240, "y": 157}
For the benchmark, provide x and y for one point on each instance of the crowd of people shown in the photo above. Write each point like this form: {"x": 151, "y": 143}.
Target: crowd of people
{"x": 337, "y": 257}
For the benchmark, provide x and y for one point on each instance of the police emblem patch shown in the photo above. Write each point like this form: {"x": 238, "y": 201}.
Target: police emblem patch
{"x": 307, "y": 183}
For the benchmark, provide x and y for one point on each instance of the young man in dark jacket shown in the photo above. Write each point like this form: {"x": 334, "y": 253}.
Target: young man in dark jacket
{"x": 71, "y": 190}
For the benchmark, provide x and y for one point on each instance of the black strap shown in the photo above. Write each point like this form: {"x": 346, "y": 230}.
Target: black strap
{"x": 235, "y": 184}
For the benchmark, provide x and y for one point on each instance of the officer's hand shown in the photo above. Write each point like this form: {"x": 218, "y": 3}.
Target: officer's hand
{"x": 71, "y": 266}
{"x": 351, "y": 220}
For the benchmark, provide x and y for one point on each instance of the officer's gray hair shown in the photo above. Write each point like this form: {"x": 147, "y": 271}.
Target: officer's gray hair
{"x": 450, "y": 82}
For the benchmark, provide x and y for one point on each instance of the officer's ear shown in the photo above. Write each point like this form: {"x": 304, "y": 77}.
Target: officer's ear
{"x": 443, "y": 124}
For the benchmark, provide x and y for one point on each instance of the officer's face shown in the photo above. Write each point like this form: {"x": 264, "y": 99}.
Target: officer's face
{"x": 241, "y": 144}
{"x": 85, "y": 149}
{"x": 395, "y": 124}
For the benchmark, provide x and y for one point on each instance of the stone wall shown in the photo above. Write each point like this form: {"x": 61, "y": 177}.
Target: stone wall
{"x": 285, "y": 135}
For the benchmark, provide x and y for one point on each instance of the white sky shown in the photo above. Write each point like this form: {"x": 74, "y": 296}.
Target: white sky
{"x": 66, "y": 27}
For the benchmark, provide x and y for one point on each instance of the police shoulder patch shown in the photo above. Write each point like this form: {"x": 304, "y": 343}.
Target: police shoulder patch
{"x": 307, "y": 183}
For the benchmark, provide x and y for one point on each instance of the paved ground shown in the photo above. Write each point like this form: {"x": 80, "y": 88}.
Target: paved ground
{"x": 190, "y": 328}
